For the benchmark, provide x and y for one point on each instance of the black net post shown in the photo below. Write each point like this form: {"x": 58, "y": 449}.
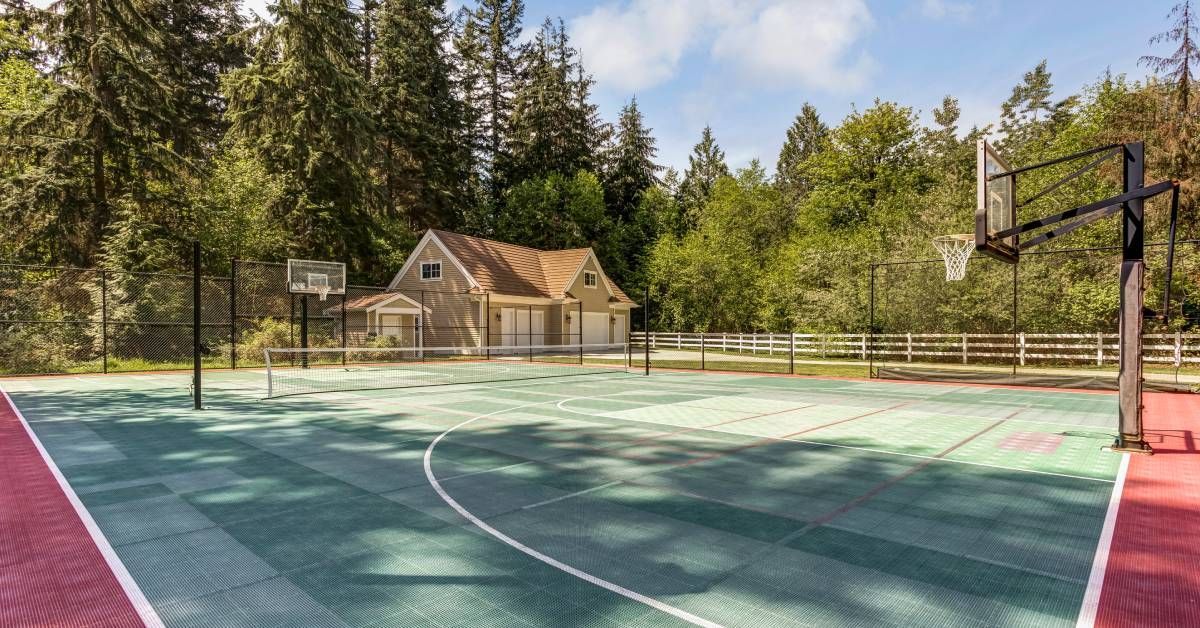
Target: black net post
{"x": 702, "y": 351}
{"x": 487, "y": 324}
{"x": 104, "y": 320}
{"x": 196, "y": 398}
{"x": 529, "y": 338}
{"x": 870, "y": 326}
{"x": 791, "y": 352}
{"x": 580, "y": 313}
{"x": 345, "y": 330}
{"x": 233, "y": 313}
{"x": 421, "y": 322}
{"x": 646, "y": 328}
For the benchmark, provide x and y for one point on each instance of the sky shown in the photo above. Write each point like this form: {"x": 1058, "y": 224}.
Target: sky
{"x": 745, "y": 67}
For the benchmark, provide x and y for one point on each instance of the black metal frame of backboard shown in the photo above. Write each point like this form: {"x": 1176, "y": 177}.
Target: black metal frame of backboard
{"x": 1131, "y": 204}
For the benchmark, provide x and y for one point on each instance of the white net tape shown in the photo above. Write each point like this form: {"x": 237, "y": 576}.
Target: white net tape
{"x": 955, "y": 250}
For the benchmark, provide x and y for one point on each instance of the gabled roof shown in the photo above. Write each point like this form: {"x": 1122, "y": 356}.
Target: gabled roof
{"x": 503, "y": 268}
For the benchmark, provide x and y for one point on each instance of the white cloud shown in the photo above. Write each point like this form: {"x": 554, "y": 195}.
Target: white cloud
{"x": 801, "y": 41}
{"x": 641, "y": 43}
{"x": 638, "y": 45}
{"x": 939, "y": 9}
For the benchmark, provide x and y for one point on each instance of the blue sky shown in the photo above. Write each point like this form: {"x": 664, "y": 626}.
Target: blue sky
{"x": 746, "y": 66}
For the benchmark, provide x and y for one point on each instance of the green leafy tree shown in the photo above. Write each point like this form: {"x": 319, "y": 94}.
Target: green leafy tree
{"x": 706, "y": 165}
{"x": 301, "y": 104}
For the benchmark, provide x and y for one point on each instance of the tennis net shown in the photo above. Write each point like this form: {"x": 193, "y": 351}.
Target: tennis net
{"x": 293, "y": 371}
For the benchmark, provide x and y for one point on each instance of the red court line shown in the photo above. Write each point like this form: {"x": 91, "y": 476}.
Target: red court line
{"x": 1153, "y": 573}
{"x": 51, "y": 571}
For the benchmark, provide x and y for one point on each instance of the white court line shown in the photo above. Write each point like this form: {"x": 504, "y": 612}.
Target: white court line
{"x": 1091, "y": 596}
{"x": 553, "y": 562}
{"x": 571, "y": 495}
{"x": 132, "y": 591}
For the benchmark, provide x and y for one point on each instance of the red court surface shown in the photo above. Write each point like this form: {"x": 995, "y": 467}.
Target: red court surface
{"x": 1153, "y": 575}
{"x": 51, "y": 571}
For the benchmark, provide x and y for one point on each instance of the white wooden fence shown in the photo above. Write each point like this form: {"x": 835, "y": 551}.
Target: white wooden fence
{"x": 1176, "y": 349}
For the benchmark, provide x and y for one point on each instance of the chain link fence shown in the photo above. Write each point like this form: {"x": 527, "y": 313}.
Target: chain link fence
{"x": 57, "y": 320}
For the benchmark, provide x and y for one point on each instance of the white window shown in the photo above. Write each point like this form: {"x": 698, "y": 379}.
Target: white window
{"x": 589, "y": 279}
{"x": 431, "y": 271}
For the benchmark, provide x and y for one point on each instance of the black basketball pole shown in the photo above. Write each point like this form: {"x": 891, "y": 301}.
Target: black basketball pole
{"x": 1133, "y": 273}
{"x": 233, "y": 313}
{"x": 196, "y": 383}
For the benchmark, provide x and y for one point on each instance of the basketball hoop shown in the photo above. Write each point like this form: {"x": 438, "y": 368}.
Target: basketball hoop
{"x": 955, "y": 250}
{"x": 322, "y": 292}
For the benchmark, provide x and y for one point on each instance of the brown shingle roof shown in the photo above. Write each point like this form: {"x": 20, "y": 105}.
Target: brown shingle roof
{"x": 505, "y": 268}
{"x": 369, "y": 300}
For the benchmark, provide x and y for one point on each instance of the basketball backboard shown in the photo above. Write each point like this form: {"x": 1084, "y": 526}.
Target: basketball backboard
{"x": 316, "y": 277}
{"x": 997, "y": 204}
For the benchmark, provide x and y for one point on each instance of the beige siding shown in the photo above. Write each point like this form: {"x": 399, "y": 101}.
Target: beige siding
{"x": 452, "y": 280}
{"x": 593, "y": 299}
{"x": 453, "y": 319}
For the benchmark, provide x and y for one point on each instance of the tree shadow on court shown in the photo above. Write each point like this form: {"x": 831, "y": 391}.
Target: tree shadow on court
{"x": 724, "y": 526}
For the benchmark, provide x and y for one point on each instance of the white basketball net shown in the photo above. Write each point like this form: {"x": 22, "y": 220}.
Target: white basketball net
{"x": 955, "y": 250}
{"x": 322, "y": 292}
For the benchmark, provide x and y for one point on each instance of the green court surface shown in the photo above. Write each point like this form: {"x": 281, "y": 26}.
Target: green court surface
{"x": 609, "y": 499}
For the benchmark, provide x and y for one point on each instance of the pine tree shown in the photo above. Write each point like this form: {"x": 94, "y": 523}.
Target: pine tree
{"x": 101, "y": 136}
{"x": 1021, "y": 115}
{"x": 301, "y": 104}
{"x": 706, "y": 165}
{"x": 1178, "y": 67}
{"x": 200, "y": 41}
{"x": 421, "y": 164}
{"x": 488, "y": 49}
{"x": 631, "y": 168}
{"x": 554, "y": 126}
{"x": 805, "y": 137}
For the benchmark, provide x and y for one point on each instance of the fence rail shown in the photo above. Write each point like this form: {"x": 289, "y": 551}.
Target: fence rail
{"x": 1095, "y": 349}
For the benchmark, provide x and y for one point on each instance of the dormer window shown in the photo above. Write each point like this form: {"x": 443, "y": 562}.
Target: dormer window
{"x": 431, "y": 271}
{"x": 589, "y": 279}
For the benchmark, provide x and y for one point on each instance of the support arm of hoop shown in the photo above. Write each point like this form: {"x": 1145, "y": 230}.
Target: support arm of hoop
{"x": 1068, "y": 228}
{"x": 1082, "y": 210}
{"x": 1067, "y": 179}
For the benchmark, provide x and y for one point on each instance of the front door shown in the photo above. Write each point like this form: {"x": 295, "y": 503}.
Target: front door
{"x": 619, "y": 329}
{"x": 522, "y": 338}
{"x": 537, "y": 328}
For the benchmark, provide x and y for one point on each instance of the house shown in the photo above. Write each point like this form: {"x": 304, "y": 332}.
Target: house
{"x": 456, "y": 290}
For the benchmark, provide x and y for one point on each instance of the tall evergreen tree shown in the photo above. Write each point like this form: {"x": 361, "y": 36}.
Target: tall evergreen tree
{"x": 489, "y": 52}
{"x": 631, "y": 168}
{"x": 551, "y": 128}
{"x": 804, "y": 137}
{"x": 100, "y": 137}
{"x": 300, "y": 103}
{"x": 422, "y": 163}
{"x": 1177, "y": 68}
{"x": 706, "y": 165}
{"x": 1021, "y": 116}
{"x": 200, "y": 42}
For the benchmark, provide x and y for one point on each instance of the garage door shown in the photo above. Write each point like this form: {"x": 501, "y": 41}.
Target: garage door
{"x": 595, "y": 328}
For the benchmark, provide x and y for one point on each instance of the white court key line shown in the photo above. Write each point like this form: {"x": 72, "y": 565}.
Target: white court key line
{"x": 136, "y": 598}
{"x": 1091, "y": 596}
{"x": 549, "y": 560}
